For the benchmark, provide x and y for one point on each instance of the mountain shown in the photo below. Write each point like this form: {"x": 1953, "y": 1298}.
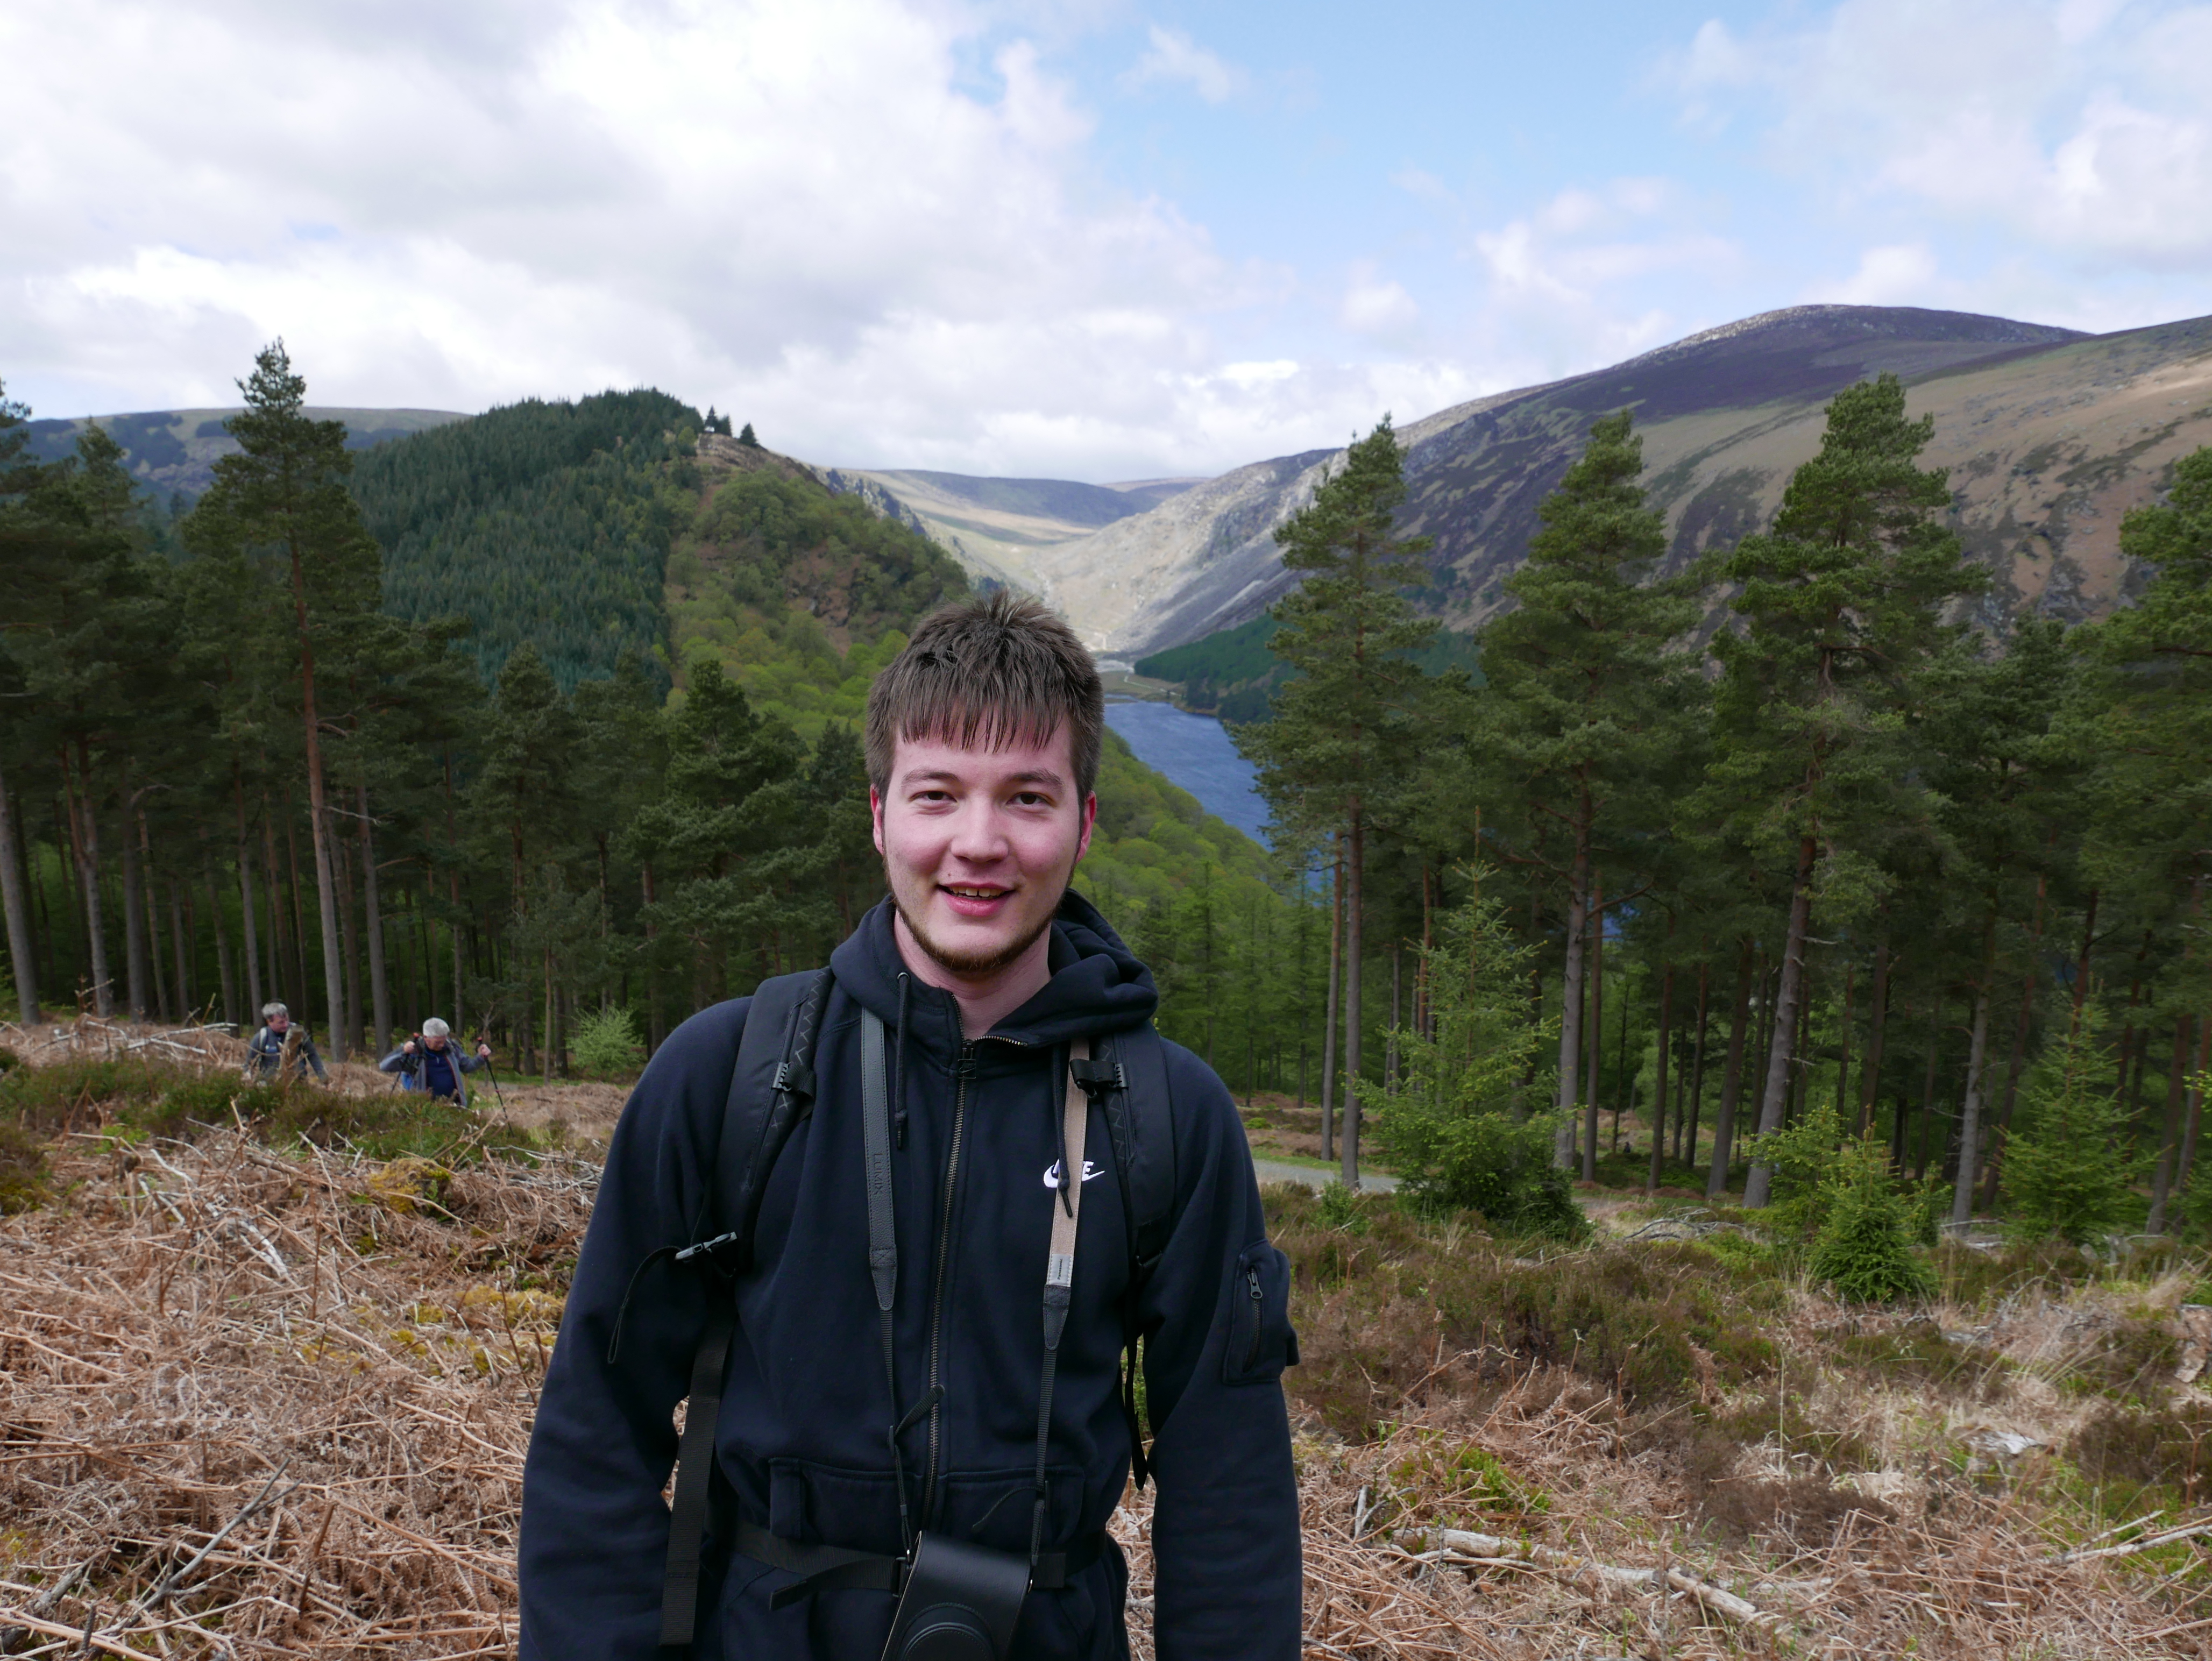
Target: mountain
{"x": 2050, "y": 435}
{"x": 173, "y": 450}
{"x": 997, "y": 527}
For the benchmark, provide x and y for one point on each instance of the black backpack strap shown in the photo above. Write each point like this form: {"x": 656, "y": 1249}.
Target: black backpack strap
{"x": 1130, "y": 1078}
{"x": 771, "y": 1088}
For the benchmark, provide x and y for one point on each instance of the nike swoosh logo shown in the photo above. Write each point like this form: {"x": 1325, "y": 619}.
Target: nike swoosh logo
{"x": 1091, "y": 1174}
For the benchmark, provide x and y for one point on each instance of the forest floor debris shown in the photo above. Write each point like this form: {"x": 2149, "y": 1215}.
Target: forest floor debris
{"x": 261, "y": 1398}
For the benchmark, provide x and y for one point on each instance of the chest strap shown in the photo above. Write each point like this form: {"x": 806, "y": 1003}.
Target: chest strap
{"x": 835, "y": 1568}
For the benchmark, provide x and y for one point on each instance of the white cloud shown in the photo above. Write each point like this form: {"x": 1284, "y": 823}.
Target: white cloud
{"x": 1570, "y": 285}
{"x": 808, "y": 215}
{"x": 1375, "y": 305}
{"x": 2082, "y": 127}
{"x": 1899, "y": 275}
{"x": 1174, "y": 57}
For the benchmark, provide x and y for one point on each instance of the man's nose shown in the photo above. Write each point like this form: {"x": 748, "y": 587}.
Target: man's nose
{"x": 976, "y": 832}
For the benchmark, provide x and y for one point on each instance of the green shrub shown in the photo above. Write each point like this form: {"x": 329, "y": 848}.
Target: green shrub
{"x": 1865, "y": 1245}
{"x": 22, "y": 1169}
{"x": 1457, "y": 1129}
{"x": 606, "y": 1042}
{"x": 2070, "y": 1167}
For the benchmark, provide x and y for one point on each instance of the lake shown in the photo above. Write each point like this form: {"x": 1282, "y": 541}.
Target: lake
{"x": 1195, "y": 752}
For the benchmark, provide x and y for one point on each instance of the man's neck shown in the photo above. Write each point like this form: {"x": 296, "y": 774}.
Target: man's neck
{"x": 984, "y": 1000}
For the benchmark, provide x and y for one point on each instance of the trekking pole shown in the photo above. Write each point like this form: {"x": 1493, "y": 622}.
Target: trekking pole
{"x": 496, "y": 1093}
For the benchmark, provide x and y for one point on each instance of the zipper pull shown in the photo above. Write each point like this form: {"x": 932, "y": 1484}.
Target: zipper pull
{"x": 1259, "y": 1309}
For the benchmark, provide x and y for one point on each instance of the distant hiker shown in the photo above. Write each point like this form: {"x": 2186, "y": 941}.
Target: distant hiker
{"x": 925, "y": 1201}
{"x": 280, "y": 1045}
{"x": 429, "y": 1062}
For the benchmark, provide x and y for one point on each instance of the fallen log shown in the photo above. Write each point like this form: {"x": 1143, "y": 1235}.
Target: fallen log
{"x": 1462, "y": 1545}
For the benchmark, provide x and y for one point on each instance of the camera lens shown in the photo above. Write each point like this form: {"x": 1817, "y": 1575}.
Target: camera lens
{"x": 946, "y": 1632}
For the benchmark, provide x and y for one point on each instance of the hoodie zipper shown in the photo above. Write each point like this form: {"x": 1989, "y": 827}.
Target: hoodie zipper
{"x": 964, "y": 1072}
{"x": 1259, "y": 1309}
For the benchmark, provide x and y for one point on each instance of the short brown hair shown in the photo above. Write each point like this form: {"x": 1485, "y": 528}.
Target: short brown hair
{"x": 994, "y": 670}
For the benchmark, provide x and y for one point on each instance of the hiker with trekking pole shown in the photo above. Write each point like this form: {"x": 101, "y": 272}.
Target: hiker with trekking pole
{"x": 281, "y": 1045}
{"x": 430, "y": 1062}
{"x": 897, "y": 1228}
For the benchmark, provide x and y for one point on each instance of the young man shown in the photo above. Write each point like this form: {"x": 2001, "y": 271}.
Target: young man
{"x": 844, "y": 1432}
{"x": 265, "y": 1051}
{"x": 434, "y": 1065}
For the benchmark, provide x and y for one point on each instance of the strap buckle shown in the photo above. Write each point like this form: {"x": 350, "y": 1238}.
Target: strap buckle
{"x": 1097, "y": 1078}
{"x": 722, "y": 1252}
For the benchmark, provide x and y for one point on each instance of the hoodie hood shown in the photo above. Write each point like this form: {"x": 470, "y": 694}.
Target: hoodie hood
{"x": 1097, "y": 985}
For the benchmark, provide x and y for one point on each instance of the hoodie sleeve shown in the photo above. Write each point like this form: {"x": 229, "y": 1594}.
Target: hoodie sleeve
{"x": 594, "y": 1527}
{"x": 1215, "y": 1319}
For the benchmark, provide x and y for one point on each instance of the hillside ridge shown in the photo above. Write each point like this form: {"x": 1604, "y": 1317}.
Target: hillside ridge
{"x": 2051, "y": 434}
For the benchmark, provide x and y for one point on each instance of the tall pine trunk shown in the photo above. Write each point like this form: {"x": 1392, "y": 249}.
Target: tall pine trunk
{"x": 1686, "y": 1128}
{"x": 2162, "y": 1181}
{"x": 1877, "y": 1024}
{"x": 226, "y": 968}
{"x": 1658, "y": 1126}
{"x": 380, "y": 985}
{"x": 1328, "y": 1022}
{"x": 318, "y": 818}
{"x": 15, "y": 902}
{"x": 1571, "y": 1000}
{"x": 136, "y": 998}
{"x": 84, "y": 844}
{"x": 2195, "y": 1108}
{"x": 2003, "y": 1128}
{"x": 1732, "y": 1079}
{"x": 1596, "y": 1027}
{"x": 1355, "y": 863}
{"x": 1758, "y": 1189}
{"x": 250, "y": 943}
{"x": 1978, "y": 1049}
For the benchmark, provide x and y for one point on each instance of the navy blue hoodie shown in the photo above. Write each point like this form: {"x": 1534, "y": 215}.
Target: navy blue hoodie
{"x": 802, "y": 1435}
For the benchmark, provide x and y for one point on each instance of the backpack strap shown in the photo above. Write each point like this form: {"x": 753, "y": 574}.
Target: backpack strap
{"x": 1130, "y": 1077}
{"x": 771, "y": 1089}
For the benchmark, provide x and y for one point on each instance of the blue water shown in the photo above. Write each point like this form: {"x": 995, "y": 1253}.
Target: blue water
{"x": 1194, "y": 751}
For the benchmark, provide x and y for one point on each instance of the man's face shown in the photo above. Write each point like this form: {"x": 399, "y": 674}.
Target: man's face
{"x": 435, "y": 1041}
{"x": 978, "y": 845}
{"x": 277, "y": 1023}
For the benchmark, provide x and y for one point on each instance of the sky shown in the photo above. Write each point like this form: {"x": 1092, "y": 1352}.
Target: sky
{"x": 1074, "y": 238}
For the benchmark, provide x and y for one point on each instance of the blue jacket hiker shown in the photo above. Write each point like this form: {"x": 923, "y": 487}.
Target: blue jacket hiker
{"x": 278, "y": 1037}
{"x": 430, "y": 1062}
{"x": 808, "y": 1419}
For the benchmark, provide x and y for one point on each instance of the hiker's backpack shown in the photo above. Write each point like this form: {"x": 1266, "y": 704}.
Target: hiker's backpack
{"x": 771, "y": 1089}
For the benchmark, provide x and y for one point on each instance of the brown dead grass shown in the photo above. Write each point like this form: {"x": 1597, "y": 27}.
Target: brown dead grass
{"x": 319, "y": 1371}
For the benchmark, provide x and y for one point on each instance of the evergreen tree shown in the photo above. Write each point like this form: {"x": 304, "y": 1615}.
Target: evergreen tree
{"x": 1339, "y": 747}
{"x": 2071, "y": 1166}
{"x": 283, "y": 497}
{"x": 746, "y": 437}
{"x": 1587, "y": 710}
{"x": 1840, "y": 605}
{"x": 1453, "y": 1126}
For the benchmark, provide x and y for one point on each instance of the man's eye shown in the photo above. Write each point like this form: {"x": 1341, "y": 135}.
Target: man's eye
{"x": 1030, "y": 798}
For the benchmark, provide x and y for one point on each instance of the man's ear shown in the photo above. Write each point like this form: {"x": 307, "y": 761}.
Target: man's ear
{"x": 1089, "y": 823}
{"x": 876, "y": 816}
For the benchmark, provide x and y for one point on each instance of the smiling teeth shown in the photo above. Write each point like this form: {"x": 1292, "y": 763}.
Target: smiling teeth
{"x": 976, "y": 893}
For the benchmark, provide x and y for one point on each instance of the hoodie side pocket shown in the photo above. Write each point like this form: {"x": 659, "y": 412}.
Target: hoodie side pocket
{"x": 1260, "y": 1341}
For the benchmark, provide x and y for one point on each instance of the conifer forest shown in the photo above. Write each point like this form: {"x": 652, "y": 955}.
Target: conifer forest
{"x": 1734, "y": 878}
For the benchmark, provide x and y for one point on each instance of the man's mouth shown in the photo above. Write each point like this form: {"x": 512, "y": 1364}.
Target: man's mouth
{"x": 973, "y": 898}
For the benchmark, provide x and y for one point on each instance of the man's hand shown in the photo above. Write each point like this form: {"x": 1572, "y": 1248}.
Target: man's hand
{"x": 408, "y": 1048}
{"x": 484, "y": 1051}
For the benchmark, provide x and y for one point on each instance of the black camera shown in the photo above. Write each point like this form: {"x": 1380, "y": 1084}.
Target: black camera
{"x": 960, "y": 1603}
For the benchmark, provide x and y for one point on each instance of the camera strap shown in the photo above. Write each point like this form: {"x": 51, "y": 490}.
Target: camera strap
{"x": 1059, "y": 1268}
{"x": 1060, "y": 1257}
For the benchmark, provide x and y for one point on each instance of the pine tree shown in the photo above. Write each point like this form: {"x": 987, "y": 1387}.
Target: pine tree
{"x": 746, "y": 437}
{"x": 1586, "y": 710}
{"x": 1343, "y": 737}
{"x": 283, "y": 497}
{"x": 1453, "y": 1127}
{"x": 2070, "y": 1171}
{"x": 1840, "y": 605}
